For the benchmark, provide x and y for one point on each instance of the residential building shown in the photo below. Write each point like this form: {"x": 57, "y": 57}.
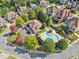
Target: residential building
{"x": 33, "y": 25}
{"x": 63, "y": 13}
{"x": 10, "y": 15}
{"x": 49, "y": 11}
{"x": 21, "y": 10}
{"x": 72, "y": 23}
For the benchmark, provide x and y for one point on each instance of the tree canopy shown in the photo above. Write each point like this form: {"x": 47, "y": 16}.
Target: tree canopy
{"x": 30, "y": 42}
{"x": 42, "y": 17}
{"x": 19, "y": 21}
{"x": 62, "y": 44}
{"x": 48, "y": 46}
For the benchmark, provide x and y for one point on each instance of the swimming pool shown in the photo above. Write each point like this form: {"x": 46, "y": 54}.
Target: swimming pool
{"x": 54, "y": 37}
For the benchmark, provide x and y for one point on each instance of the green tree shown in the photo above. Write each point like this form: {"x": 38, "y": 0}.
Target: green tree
{"x": 5, "y": 10}
{"x": 48, "y": 46}
{"x": 62, "y": 44}
{"x": 30, "y": 42}
{"x": 42, "y": 17}
{"x": 37, "y": 9}
{"x": 1, "y": 12}
{"x": 19, "y": 21}
{"x": 25, "y": 17}
{"x": 31, "y": 14}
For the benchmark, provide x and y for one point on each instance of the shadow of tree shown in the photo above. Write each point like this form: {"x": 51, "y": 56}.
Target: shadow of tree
{"x": 38, "y": 54}
{"x": 20, "y": 50}
{"x": 33, "y": 54}
{"x": 7, "y": 34}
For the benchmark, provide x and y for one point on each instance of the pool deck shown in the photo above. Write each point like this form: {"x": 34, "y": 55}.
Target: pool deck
{"x": 54, "y": 32}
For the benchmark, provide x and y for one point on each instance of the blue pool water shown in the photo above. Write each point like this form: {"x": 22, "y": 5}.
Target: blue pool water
{"x": 54, "y": 37}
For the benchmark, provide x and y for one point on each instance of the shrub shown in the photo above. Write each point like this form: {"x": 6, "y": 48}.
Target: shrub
{"x": 30, "y": 42}
{"x": 13, "y": 29}
{"x": 19, "y": 39}
{"x": 62, "y": 44}
{"x": 11, "y": 39}
{"x": 48, "y": 46}
{"x": 73, "y": 37}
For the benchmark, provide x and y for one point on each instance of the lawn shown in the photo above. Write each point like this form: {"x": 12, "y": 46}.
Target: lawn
{"x": 11, "y": 57}
{"x": 0, "y": 52}
{"x": 77, "y": 32}
{"x": 75, "y": 11}
{"x": 73, "y": 37}
{"x": 58, "y": 24}
{"x": 2, "y": 30}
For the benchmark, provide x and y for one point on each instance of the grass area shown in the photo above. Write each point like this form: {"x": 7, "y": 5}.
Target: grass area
{"x": 75, "y": 11}
{"x": 11, "y": 57}
{"x": 59, "y": 24}
{"x": 73, "y": 37}
{"x": 77, "y": 32}
{"x": 2, "y": 30}
{"x": 0, "y": 52}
